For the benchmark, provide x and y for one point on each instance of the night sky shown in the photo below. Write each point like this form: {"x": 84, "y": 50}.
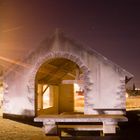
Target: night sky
{"x": 111, "y": 27}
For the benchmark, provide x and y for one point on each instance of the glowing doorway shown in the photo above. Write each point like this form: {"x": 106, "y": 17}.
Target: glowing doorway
{"x": 56, "y": 90}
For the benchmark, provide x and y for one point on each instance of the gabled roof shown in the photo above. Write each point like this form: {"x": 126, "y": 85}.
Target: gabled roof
{"x": 60, "y": 38}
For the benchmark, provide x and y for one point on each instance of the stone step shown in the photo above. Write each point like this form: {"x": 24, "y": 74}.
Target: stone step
{"x": 82, "y": 127}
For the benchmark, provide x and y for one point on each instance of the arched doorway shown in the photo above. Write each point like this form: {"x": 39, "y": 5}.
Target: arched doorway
{"x": 59, "y": 87}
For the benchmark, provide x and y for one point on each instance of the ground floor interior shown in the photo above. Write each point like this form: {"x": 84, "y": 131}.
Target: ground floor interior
{"x": 59, "y": 88}
{"x": 59, "y": 99}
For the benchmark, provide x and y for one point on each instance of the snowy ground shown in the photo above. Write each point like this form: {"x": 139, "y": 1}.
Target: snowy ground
{"x": 11, "y": 130}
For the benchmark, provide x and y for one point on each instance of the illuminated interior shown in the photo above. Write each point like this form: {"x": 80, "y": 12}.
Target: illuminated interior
{"x": 59, "y": 88}
{"x": 47, "y": 98}
{"x": 78, "y": 98}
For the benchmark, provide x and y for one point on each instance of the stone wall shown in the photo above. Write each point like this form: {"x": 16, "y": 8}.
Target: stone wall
{"x": 104, "y": 82}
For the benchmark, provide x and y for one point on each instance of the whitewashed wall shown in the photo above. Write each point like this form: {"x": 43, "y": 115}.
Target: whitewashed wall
{"x": 104, "y": 81}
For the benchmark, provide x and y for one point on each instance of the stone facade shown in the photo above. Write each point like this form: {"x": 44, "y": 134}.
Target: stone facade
{"x": 104, "y": 81}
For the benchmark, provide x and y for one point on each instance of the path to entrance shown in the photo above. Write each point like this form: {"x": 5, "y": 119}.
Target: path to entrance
{"x": 11, "y": 130}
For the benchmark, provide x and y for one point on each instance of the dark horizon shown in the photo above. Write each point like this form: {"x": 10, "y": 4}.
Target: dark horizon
{"x": 110, "y": 27}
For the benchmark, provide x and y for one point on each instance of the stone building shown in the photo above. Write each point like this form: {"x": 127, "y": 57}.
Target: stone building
{"x": 64, "y": 77}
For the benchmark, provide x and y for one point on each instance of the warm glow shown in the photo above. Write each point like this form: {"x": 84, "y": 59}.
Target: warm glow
{"x": 126, "y": 95}
{"x": 13, "y": 61}
{"x": 137, "y": 88}
{"x": 46, "y": 97}
{"x": 76, "y": 87}
{"x": 133, "y": 102}
{"x": 78, "y": 99}
{"x": 1, "y": 93}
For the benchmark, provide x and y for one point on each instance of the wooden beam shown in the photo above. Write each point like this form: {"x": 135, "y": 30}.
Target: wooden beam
{"x": 53, "y": 75}
{"x": 45, "y": 89}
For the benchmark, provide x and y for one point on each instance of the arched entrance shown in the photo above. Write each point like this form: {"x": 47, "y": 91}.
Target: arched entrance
{"x": 59, "y": 87}
{"x": 32, "y": 86}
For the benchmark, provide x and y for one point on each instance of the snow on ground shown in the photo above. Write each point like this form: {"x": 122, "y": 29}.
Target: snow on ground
{"x": 12, "y": 130}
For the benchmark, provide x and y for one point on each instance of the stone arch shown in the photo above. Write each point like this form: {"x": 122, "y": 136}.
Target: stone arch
{"x": 87, "y": 85}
